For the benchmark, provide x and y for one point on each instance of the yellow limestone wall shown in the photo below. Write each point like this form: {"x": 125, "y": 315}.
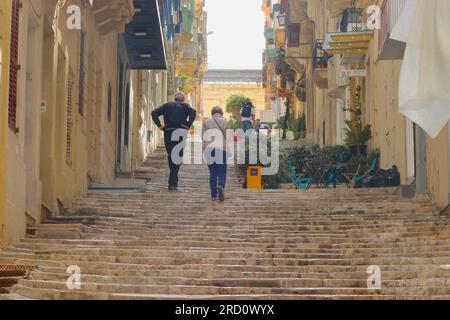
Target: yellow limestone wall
{"x": 389, "y": 128}
{"x": 93, "y": 135}
{"x": 39, "y": 178}
{"x": 38, "y": 175}
{"x": 21, "y": 153}
{"x": 5, "y": 9}
{"x": 438, "y": 168}
{"x": 218, "y": 93}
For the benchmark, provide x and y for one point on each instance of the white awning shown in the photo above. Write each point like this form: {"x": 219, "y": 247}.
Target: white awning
{"x": 424, "y": 90}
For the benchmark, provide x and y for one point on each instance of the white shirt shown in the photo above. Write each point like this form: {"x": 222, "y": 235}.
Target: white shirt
{"x": 248, "y": 118}
{"x": 213, "y": 136}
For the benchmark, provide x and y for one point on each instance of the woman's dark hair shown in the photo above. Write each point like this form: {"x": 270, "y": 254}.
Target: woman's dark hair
{"x": 217, "y": 109}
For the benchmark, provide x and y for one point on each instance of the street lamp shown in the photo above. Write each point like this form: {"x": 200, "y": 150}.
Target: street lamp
{"x": 282, "y": 19}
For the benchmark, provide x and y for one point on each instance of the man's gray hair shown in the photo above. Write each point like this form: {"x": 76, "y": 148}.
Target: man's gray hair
{"x": 217, "y": 110}
{"x": 180, "y": 97}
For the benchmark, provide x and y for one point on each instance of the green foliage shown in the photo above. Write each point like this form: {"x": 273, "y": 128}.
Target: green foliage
{"x": 333, "y": 152}
{"x": 233, "y": 124}
{"x": 296, "y": 125}
{"x": 301, "y": 123}
{"x": 374, "y": 154}
{"x": 281, "y": 65}
{"x": 300, "y": 88}
{"x": 281, "y": 122}
{"x": 293, "y": 124}
{"x": 235, "y": 102}
{"x": 357, "y": 133}
{"x": 357, "y": 165}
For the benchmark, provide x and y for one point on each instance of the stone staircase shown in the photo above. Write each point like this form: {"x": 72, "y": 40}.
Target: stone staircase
{"x": 283, "y": 244}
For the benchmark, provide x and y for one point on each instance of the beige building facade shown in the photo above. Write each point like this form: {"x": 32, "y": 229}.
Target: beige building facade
{"x": 219, "y": 85}
{"x": 5, "y": 32}
{"x": 78, "y": 111}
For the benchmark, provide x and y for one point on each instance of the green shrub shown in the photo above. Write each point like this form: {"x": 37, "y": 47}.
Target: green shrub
{"x": 235, "y": 102}
{"x": 333, "y": 152}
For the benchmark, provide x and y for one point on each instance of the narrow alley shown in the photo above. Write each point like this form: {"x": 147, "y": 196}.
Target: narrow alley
{"x": 258, "y": 245}
{"x": 332, "y": 117}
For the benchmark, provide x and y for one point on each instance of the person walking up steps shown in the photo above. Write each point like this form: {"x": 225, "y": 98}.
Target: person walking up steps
{"x": 247, "y": 116}
{"x": 177, "y": 115}
{"x": 215, "y": 152}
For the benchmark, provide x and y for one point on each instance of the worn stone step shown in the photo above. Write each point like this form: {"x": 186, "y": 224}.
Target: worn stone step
{"x": 272, "y": 244}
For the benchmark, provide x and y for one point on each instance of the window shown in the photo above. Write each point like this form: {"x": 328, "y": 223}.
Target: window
{"x": 293, "y": 35}
{"x": 69, "y": 118}
{"x": 14, "y": 66}
{"x": 109, "y": 101}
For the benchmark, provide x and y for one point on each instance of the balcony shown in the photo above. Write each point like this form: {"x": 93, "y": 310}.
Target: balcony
{"x": 320, "y": 65}
{"x": 351, "y": 20}
{"x": 189, "y": 59}
{"x": 143, "y": 37}
{"x": 188, "y": 16}
{"x": 272, "y": 53}
{"x": 113, "y": 15}
{"x": 337, "y": 6}
{"x": 390, "y": 49}
{"x": 353, "y": 37}
{"x": 269, "y": 34}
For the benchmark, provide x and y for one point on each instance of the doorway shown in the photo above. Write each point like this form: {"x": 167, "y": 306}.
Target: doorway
{"x": 123, "y": 105}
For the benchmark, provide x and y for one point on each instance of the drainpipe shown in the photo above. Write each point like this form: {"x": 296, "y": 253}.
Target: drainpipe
{"x": 421, "y": 163}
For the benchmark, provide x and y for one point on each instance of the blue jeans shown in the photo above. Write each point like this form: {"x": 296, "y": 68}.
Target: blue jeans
{"x": 217, "y": 169}
{"x": 246, "y": 125}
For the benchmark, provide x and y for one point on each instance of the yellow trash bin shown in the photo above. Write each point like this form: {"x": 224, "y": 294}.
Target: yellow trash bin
{"x": 254, "y": 177}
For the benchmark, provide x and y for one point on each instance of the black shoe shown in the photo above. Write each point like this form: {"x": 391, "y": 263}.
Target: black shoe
{"x": 221, "y": 193}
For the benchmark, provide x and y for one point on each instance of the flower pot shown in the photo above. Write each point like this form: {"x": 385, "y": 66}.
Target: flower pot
{"x": 353, "y": 150}
{"x": 362, "y": 150}
{"x": 358, "y": 149}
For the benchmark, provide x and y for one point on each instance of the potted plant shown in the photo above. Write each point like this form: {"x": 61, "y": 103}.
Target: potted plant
{"x": 357, "y": 134}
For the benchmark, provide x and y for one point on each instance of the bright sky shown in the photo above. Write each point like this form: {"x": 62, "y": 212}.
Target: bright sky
{"x": 238, "y": 39}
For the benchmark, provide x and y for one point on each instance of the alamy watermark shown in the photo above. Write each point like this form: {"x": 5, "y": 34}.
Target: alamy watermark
{"x": 374, "y": 19}
{"x": 74, "y": 280}
{"x": 73, "y": 21}
{"x": 374, "y": 280}
{"x": 243, "y": 148}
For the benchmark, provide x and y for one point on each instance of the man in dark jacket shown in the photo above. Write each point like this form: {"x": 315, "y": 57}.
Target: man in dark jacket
{"x": 177, "y": 115}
